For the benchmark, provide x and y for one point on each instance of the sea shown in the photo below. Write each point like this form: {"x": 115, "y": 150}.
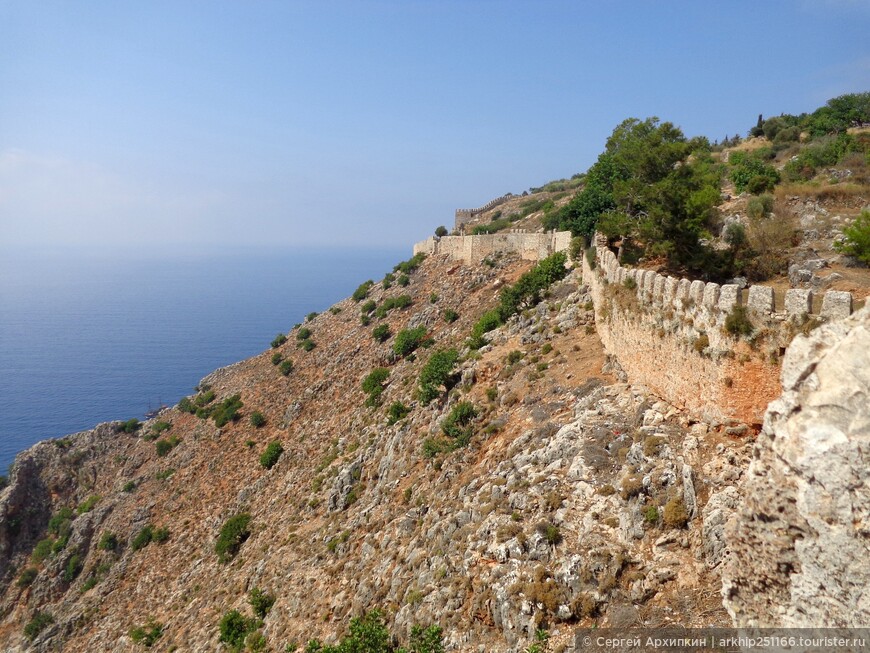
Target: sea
{"x": 89, "y": 337}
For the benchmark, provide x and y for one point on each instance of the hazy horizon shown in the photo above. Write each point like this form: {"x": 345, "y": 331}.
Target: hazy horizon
{"x": 366, "y": 123}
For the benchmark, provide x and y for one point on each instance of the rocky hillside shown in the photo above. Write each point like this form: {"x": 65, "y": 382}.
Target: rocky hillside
{"x": 561, "y": 495}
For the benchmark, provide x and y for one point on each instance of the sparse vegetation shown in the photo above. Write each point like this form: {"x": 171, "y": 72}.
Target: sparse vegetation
{"x": 279, "y": 340}
{"x": 401, "y": 301}
{"x": 234, "y": 628}
{"x": 856, "y": 238}
{"x": 39, "y": 622}
{"x": 737, "y": 322}
{"x": 411, "y": 264}
{"x": 271, "y": 455}
{"x": 450, "y": 315}
{"x": 232, "y": 535}
{"x": 363, "y": 290}
{"x": 257, "y": 419}
{"x": 148, "y": 634}
{"x": 407, "y": 340}
{"x": 437, "y": 372}
{"x": 261, "y": 602}
{"x": 396, "y": 412}
{"x": 382, "y": 332}
{"x": 286, "y": 367}
{"x": 373, "y": 385}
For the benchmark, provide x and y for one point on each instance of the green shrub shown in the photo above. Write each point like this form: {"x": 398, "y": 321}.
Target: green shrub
{"x": 856, "y": 238}
{"x": 279, "y": 340}
{"x": 373, "y": 385}
{"x": 307, "y": 344}
{"x": 257, "y": 419}
{"x": 403, "y": 280}
{"x": 42, "y": 550}
{"x": 368, "y": 307}
{"x": 129, "y": 486}
{"x": 362, "y": 291}
{"x": 37, "y": 624}
{"x": 161, "y": 426}
{"x": 389, "y": 279}
{"x": 234, "y": 628}
{"x": 450, "y": 315}
{"x": 73, "y": 568}
{"x": 277, "y": 358}
{"x": 456, "y": 424}
{"x": 382, "y": 333}
{"x": 441, "y": 231}
{"x": 164, "y": 474}
{"x": 365, "y": 320}
{"x": 311, "y": 316}
{"x": 436, "y": 373}
{"x": 88, "y": 504}
{"x": 407, "y": 340}
{"x": 411, "y": 264}
{"x": 630, "y": 283}
{"x": 261, "y": 602}
{"x": 185, "y": 405}
{"x": 163, "y": 447}
{"x": 271, "y": 454}
{"x": 402, "y": 301}
{"x": 303, "y": 334}
{"x": 750, "y": 172}
{"x": 160, "y": 535}
{"x": 26, "y": 578}
{"x": 651, "y": 515}
{"x": 397, "y": 411}
{"x": 286, "y": 367}
{"x": 108, "y": 541}
{"x": 737, "y": 322}
{"x": 60, "y": 522}
{"x": 550, "y": 532}
{"x": 760, "y": 206}
{"x": 148, "y": 634}
{"x": 143, "y": 538}
{"x": 131, "y": 425}
{"x": 232, "y": 535}
{"x": 227, "y": 411}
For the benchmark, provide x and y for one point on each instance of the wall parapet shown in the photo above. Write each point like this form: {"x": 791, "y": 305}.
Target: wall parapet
{"x": 471, "y": 249}
{"x": 670, "y": 335}
{"x": 465, "y": 215}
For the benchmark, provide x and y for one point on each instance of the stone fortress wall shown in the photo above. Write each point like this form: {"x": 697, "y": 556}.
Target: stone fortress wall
{"x": 466, "y": 215}
{"x": 471, "y": 249}
{"x": 668, "y": 334}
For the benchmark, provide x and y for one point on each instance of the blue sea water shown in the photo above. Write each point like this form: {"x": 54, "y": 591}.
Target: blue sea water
{"x": 90, "y": 338}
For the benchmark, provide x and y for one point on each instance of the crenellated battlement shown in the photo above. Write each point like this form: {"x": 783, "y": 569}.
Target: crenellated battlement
{"x": 466, "y": 215}
{"x": 532, "y": 246}
{"x": 684, "y": 340}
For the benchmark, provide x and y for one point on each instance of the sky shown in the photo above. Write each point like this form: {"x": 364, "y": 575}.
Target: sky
{"x": 185, "y": 123}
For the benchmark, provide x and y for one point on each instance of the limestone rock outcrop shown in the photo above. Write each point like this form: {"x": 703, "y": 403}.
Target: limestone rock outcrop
{"x": 800, "y": 544}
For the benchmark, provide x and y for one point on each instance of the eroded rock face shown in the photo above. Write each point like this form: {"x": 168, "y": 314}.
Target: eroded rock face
{"x": 800, "y": 545}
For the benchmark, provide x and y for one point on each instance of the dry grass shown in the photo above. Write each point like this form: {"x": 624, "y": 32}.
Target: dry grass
{"x": 823, "y": 191}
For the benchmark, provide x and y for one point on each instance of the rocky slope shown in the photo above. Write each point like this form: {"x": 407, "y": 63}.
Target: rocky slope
{"x": 579, "y": 499}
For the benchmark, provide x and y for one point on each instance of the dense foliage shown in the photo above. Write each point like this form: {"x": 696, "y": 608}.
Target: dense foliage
{"x": 232, "y": 535}
{"x": 437, "y": 372}
{"x": 373, "y": 385}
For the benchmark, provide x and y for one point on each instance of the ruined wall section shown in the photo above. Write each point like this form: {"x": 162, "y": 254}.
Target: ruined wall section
{"x": 472, "y": 249}
{"x": 669, "y": 335}
{"x": 464, "y": 216}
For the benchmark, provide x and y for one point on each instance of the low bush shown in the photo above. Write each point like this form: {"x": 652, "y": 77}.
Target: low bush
{"x": 303, "y": 333}
{"x": 232, "y": 535}
{"x": 39, "y": 622}
{"x": 389, "y": 279}
{"x": 148, "y": 634}
{"x": 279, "y": 340}
{"x": 737, "y": 322}
{"x": 373, "y": 385}
{"x": 307, "y": 345}
{"x": 403, "y": 280}
{"x": 261, "y": 602}
{"x": 441, "y": 231}
{"x": 450, "y": 315}
{"x": 234, "y": 628}
{"x": 271, "y": 454}
{"x": 362, "y": 291}
{"x": 276, "y": 358}
{"x": 311, "y": 316}
{"x": 550, "y": 532}
{"x": 286, "y": 367}
{"x": 143, "y": 538}
{"x": 457, "y": 423}
{"x": 131, "y": 425}
{"x": 437, "y": 372}
{"x": 73, "y": 568}
{"x": 407, "y": 340}
{"x": 397, "y": 411}
{"x": 675, "y": 515}
{"x": 257, "y": 419}
{"x": 856, "y": 238}
{"x": 88, "y": 504}
{"x": 108, "y": 541}
{"x": 411, "y": 264}
{"x": 26, "y": 578}
{"x": 164, "y": 446}
{"x": 402, "y": 301}
{"x": 227, "y": 411}
{"x": 368, "y": 307}
{"x": 382, "y": 333}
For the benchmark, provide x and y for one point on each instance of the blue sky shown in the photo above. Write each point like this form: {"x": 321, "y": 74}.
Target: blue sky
{"x": 167, "y": 124}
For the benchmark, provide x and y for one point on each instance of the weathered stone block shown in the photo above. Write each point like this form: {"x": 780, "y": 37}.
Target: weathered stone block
{"x": 649, "y": 278}
{"x": 670, "y": 291}
{"x": 836, "y": 304}
{"x": 760, "y": 300}
{"x": 682, "y": 296}
{"x": 658, "y": 289}
{"x": 711, "y": 295}
{"x": 696, "y": 292}
{"x": 798, "y": 301}
{"x": 729, "y": 297}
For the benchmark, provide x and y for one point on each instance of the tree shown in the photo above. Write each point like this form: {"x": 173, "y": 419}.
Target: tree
{"x": 856, "y": 240}
{"x": 441, "y": 231}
